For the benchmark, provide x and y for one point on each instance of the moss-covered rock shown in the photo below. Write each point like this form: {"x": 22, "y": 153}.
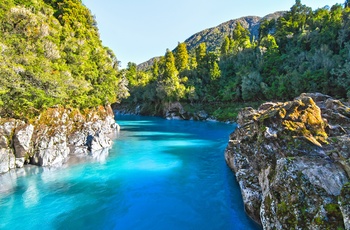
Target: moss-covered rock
{"x": 302, "y": 168}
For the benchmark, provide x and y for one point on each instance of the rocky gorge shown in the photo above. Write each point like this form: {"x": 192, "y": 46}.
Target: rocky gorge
{"x": 55, "y": 136}
{"x": 292, "y": 163}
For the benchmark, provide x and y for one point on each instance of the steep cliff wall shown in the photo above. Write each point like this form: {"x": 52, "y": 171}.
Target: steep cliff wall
{"x": 54, "y": 136}
{"x": 292, "y": 163}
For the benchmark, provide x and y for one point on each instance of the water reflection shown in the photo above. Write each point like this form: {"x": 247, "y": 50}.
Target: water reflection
{"x": 9, "y": 180}
{"x": 31, "y": 195}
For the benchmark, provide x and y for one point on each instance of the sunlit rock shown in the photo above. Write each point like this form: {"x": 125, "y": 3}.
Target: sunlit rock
{"x": 54, "y": 136}
{"x": 292, "y": 163}
{"x": 22, "y": 143}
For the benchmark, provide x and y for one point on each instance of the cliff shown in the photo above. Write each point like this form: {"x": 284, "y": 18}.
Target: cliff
{"x": 292, "y": 163}
{"x": 54, "y": 136}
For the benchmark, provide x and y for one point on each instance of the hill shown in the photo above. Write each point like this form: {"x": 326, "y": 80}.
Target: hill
{"x": 213, "y": 37}
{"x": 147, "y": 64}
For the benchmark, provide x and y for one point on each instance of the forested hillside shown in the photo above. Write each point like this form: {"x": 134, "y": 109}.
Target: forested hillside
{"x": 214, "y": 37}
{"x": 51, "y": 55}
{"x": 301, "y": 51}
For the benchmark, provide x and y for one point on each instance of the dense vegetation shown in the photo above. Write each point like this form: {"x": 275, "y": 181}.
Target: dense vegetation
{"x": 301, "y": 51}
{"x": 51, "y": 55}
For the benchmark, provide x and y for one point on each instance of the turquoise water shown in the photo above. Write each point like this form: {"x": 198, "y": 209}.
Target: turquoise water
{"x": 159, "y": 174}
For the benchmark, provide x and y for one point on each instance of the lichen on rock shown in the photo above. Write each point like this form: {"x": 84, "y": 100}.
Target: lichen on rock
{"x": 294, "y": 158}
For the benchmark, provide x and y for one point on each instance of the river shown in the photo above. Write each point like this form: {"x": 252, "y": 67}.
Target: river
{"x": 159, "y": 174}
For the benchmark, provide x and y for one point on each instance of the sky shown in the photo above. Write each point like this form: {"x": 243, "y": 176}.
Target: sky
{"x": 137, "y": 30}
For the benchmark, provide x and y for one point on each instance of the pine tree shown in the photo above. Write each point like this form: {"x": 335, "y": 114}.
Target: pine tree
{"x": 171, "y": 86}
{"x": 170, "y": 68}
{"x": 225, "y": 47}
{"x": 155, "y": 69}
{"x": 201, "y": 52}
{"x": 181, "y": 57}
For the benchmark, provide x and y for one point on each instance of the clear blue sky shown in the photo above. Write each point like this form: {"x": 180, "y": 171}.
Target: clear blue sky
{"x": 137, "y": 30}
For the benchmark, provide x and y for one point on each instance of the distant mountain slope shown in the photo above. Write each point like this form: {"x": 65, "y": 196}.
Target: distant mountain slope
{"x": 213, "y": 37}
{"x": 147, "y": 64}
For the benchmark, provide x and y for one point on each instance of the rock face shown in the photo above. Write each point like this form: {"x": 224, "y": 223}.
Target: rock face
{"x": 292, "y": 163}
{"x": 57, "y": 134}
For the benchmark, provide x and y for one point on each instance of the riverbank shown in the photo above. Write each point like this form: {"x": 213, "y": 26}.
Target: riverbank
{"x": 56, "y": 134}
{"x": 216, "y": 111}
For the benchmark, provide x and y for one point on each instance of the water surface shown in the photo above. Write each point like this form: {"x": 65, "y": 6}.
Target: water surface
{"x": 159, "y": 174}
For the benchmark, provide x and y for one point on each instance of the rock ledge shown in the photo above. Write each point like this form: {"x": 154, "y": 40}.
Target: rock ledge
{"x": 292, "y": 163}
{"x": 54, "y": 136}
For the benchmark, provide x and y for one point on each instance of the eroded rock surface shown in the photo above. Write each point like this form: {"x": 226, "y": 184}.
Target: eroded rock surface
{"x": 57, "y": 134}
{"x": 292, "y": 163}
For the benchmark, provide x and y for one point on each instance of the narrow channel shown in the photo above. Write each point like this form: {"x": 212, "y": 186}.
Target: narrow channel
{"x": 159, "y": 174}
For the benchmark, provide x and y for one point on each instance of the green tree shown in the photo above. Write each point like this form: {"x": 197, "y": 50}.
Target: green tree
{"x": 155, "y": 69}
{"x": 267, "y": 27}
{"x": 292, "y": 23}
{"x": 202, "y": 70}
{"x": 170, "y": 87}
{"x": 241, "y": 37}
{"x": 201, "y": 52}
{"x": 269, "y": 42}
{"x": 215, "y": 72}
{"x": 251, "y": 86}
{"x": 340, "y": 75}
{"x": 170, "y": 68}
{"x": 131, "y": 73}
{"x": 225, "y": 47}
{"x": 181, "y": 57}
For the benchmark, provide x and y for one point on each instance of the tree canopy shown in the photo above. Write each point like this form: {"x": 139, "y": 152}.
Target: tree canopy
{"x": 51, "y": 54}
